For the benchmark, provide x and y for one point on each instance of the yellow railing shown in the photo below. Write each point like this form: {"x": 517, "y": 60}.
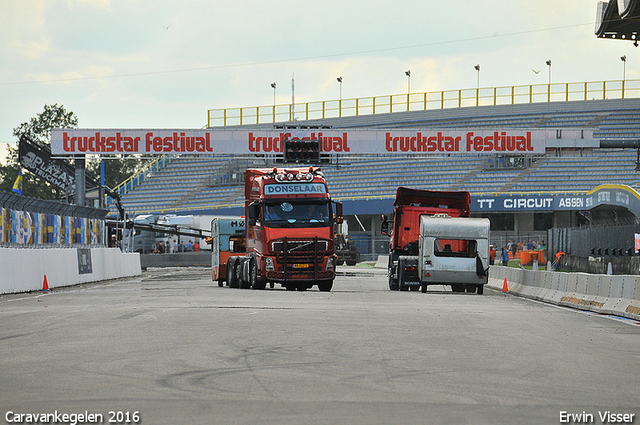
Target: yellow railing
{"x": 508, "y": 95}
{"x": 140, "y": 176}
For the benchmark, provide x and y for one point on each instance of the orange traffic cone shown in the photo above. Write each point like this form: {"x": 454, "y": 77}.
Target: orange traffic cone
{"x": 45, "y": 284}
{"x": 505, "y": 287}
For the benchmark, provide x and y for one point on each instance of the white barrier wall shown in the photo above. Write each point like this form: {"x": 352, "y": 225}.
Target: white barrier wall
{"x": 608, "y": 294}
{"x": 23, "y": 269}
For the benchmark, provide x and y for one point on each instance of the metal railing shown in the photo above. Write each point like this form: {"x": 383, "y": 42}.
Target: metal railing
{"x": 140, "y": 176}
{"x": 507, "y": 95}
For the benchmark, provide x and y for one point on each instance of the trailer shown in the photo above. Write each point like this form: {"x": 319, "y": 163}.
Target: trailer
{"x": 227, "y": 239}
{"x": 452, "y": 251}
{"x": 410, "y": 205}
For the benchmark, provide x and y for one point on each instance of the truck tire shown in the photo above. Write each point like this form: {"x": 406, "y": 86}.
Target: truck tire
{"x": 241, "y": 282}
{"x": 457, "y": 288}
{"x": 325, "y": 285}
{"x": 253, "y": 276}
{"x": 393, "y": 284}
{"x": 480, "y": 289}
{"x": 471, "y": 289}
{"x": 232, "y": 279}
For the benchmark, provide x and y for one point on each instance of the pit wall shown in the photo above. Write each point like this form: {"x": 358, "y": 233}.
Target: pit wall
{"x": 24, "y": 269}
{"x": 608, "y": 294}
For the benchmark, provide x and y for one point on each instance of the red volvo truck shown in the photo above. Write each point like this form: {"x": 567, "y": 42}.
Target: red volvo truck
{"x": 289, "y": 228}
{"x": 404, "y": 249}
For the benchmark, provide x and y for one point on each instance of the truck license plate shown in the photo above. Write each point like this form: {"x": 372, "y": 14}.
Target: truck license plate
{"x": 301, "y": 266}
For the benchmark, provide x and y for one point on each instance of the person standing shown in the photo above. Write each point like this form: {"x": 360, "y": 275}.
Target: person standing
{"x": 505, "y": 256}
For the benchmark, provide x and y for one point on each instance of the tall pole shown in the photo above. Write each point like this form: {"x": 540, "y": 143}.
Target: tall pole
{"x": 408, "y": 74}
{"x": 549, "y": 64}
{"x": 477, "y": 68}
{"x": 340, "y": 102}
{"x": 80, "y": 180}
{"x": 549, "y": 86}
{"x": 293, "y": 98}
{"x": 273, "y": 85}
{"x": 624, "y": 72}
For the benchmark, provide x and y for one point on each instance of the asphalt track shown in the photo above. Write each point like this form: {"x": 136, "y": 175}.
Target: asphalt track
{"x": 174, "y": 348}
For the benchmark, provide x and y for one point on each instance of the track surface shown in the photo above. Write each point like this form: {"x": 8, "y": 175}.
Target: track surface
{"x": 178, "y": 349}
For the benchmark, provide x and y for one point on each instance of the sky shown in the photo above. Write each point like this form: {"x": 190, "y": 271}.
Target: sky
{"x": 163, "y": 64}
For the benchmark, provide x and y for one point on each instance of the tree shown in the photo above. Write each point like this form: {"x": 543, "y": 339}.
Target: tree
{"x": 37, "y": 129}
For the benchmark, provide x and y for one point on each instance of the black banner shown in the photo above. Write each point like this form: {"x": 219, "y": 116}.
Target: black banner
{"x": 37, "y": 160}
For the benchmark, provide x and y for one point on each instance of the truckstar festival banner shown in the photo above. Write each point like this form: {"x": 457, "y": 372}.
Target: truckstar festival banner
{"x": 340, "y": 141}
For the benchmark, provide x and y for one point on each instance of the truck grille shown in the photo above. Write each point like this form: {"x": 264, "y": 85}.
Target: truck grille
{"x": 294, "y": 246}
{"x": 301, "y": 259}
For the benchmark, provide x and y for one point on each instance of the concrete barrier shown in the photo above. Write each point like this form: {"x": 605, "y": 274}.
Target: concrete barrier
{"x": 617, "y": 295}
{"x": 23, "y": 269}
{"x": 178, "y": 259}
{"x": 383, "y": 262}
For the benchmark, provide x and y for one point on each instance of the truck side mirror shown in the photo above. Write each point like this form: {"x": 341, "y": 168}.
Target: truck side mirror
{"x": 253, "y": 212}
{"x": 339, "y": 218}
{"x": 384, "y": 227}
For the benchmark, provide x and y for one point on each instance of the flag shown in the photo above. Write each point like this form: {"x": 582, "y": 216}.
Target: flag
{"x": 17, "y": 186}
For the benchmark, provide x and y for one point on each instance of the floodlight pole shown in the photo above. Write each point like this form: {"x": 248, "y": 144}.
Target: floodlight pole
{"x": 477, "y": 68}
{"x": 408, "y": 74}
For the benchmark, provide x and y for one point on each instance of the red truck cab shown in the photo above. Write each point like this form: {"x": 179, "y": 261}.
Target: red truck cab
{"x": 290, "y": 230}
{"x": 409, "y": 206}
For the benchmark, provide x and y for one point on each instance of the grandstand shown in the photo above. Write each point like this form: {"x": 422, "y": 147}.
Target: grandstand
{"x": 214, "y": 183}
{"x": 366, "y": 184}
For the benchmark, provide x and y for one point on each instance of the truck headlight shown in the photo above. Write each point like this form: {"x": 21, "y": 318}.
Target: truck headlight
{"x": 330, "y": 264}
{"x": 269, "y": 264}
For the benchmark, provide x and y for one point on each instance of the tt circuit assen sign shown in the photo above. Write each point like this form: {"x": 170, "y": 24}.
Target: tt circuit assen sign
{"x": 345, "y": 141}
{"x": 617, "y": 195}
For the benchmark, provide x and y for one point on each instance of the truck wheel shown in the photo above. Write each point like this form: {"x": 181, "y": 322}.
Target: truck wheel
{"x": 393, "y": 285}
{"x": 253, "y": 276}
{"x": 241, "y": 282}
{"x": 325, "y": 285}
{"x": 351, "y": 263}
{"x": 457, "y": 288}
{"x": 480, "y": 289}
{"x": 423, "y": 288}
{"x": 232, "y": 280}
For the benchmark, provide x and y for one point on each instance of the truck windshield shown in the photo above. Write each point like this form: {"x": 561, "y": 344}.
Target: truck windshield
{"x": 296, "y": 213}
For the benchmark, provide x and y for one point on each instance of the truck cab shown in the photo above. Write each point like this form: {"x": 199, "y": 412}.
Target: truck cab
{"x": 409, "y": 206}
{"x": 290, "y": 230}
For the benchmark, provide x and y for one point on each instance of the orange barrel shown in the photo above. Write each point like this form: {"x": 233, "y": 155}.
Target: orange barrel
{"x": 525, "y": 257}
